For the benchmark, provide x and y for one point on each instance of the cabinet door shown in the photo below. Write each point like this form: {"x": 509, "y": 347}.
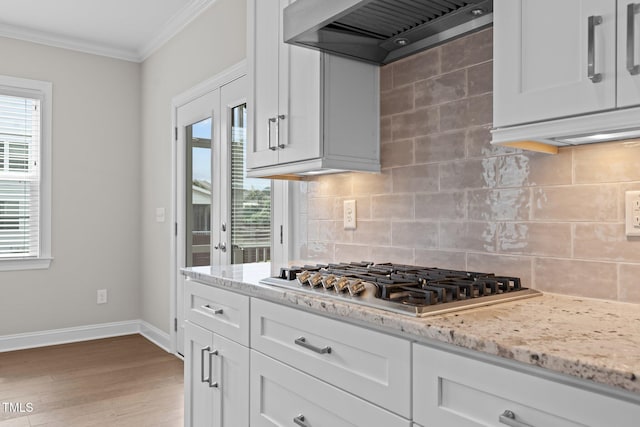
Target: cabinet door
{"x": 541, "y": 59}
{"x": 230, "y": 369}
{"x": 628, "y": 53}
{"x": 299, "y": 101}
{"x": 198, "y": 395}
{"x": 263, "y": 25}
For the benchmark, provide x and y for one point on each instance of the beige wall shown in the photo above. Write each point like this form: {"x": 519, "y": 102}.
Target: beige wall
{"x": 448, "y": 198}
{"x": 95, "y": 193}
{"x": 213, "y": 42}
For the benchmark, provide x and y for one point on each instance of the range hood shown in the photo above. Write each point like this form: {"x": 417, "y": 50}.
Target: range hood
{"x": 382, "y": 31}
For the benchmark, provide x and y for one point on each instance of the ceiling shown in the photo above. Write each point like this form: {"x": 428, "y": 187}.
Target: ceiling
{"x": 124, "y": 29}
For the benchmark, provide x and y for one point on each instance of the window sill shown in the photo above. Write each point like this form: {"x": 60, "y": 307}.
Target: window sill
{"x": 25, "y": 264}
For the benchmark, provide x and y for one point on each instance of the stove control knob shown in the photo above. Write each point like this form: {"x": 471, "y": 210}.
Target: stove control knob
{"x": 356, "y": 287}
{"x": 329, "y": 281}
{"x": 303, "y": 277}
{"x": 316, "y": 280}
{"x": 341, "y": 285}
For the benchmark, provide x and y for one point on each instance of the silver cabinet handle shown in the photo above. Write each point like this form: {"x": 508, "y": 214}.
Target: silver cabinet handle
{"x": 299, "y": 420}
{"x": 202, "y": 377}
{"x": 632, "y": 10}
{"x": 271, "y": 120}
{"x": 591, "y": 49}
{"x": 210, "y": 380}
{"x": 302, "y": 341}
{"x": 211, "y": 309}
{"x": 509, "y": 418}
{"x": 280, "y": 117}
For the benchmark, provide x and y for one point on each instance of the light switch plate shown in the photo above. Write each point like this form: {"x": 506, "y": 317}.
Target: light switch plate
{"x": 349, "y": 219}
{"x": 632, "y": 213}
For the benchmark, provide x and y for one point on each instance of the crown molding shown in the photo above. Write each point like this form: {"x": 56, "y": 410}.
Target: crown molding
{"x": 175, "y": 24}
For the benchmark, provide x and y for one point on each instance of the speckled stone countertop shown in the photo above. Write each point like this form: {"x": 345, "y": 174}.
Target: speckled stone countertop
{"x": 589, "y": 339}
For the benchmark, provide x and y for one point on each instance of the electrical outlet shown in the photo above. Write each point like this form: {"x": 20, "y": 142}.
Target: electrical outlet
{"x": 102, "y": 296}
{"x": 632, "y": 213}
{"x": 349, "y": 219}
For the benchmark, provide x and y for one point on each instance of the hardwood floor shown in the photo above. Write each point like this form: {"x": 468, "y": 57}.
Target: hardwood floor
{"x": 122, "y": 381}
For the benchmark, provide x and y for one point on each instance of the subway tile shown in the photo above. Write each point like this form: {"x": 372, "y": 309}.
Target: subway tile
{"x": 419, "y": 178}
{"x": 416, "y": 123}
{"x": 478, "y": 142}
{"x": 372, "y": 232}
{"x": 440, "y": 259}
{"x": 575, "y": 203}
{"x": 380, "y": 254}
{"x": 323, "y": 231}
{"x": 469, "y": 50}
{"x": 474, "y": 173}
{"x": 629, "y": 283}
{"x": 605, "y": 242}
{"x": 399, "y": 153}
{"x": 531, "y": 169}
{"x": 502, "y": 265}
{"x": 386, "y": 77}
{"x": 535, "y": 238}
{"x": 385, "y": 130}
{"x": 422, "y": 235}
{"x": 468, "y": 112}
{"x": 393, "y": 206}
{"x": 573, "y": 277}
{"x": 450, "y": 206}
{"x": 610, "y": 162}
{"x": 440, "y": 147}
{"x": 498, "y": 205}
{"x": 321, "y": 208}
{"x": 469, "y": 236}
{"x": 480, "y": 78}
{"x": 438, "y": 90}
{"x": 416, "y": 67}
{"x": 352, "y": 253}
{"x": 330, "y": 185}
{"x": 397, "y": 101}
{"x": 321, "y": 252}
{"x": 371, "y": 183}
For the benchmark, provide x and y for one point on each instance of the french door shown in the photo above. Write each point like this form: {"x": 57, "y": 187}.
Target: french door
{"x": 222, "y": 217}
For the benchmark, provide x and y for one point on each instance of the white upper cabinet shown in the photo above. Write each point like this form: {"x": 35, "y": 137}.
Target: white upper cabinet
{"x": 628, "y": 53}
{"x": 307, "y": 110}
{"x": 553, "y": 59}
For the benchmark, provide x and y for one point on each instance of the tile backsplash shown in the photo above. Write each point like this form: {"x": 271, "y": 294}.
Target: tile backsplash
{"x": 446, "y": 197}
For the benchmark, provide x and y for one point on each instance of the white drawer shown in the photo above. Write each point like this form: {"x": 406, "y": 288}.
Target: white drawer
{"x": 452, "y": 390}
{"x": 223, "y": 312}
{"x": 283, "y": 396}
{"x": 369, "y": 364}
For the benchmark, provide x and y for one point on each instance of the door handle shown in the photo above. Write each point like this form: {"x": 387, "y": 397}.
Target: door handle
{"x": 302, "y": 341}
{"x": 280, "y": 117}
{"x": 509, "y": 418}
{"x": 212, "y": 384}
{"x": 202, "y": 377}
{"x": 632, "y": 10}
{"x": 591, "y": 49}
{"x": 211, "y": 309}
{"x": 269, "y": 121}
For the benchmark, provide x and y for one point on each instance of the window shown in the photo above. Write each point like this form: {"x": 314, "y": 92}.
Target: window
{"x": 25, "y": 201}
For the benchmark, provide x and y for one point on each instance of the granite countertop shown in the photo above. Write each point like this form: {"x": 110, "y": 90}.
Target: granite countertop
{"x": 589, "y": 339}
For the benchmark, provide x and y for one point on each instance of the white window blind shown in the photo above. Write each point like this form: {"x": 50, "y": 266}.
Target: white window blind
{"x": 20, "y": 139}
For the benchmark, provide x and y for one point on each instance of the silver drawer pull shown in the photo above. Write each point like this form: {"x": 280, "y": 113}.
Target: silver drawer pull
{"x": 299, "y": 420}
{"x": 302, "y": 341}
{"x": 211, "y": 309}
{"x": 271, "y": 120}
{"x": 591, "y": 49}
{"x": 202, "y": 377}
{"x": 632, "y": 10}
{"x": 280, "y": 117}
{"x": 509, "y": 418}
{"x": 212, "y": 384}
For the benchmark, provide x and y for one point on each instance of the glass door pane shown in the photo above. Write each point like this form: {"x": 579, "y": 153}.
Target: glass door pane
{"x": 250, "y": 200}
{"x": 198, "y": 193}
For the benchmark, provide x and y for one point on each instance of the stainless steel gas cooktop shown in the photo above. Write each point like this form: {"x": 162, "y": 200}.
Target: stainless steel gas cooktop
{"x": 405, "y": 289}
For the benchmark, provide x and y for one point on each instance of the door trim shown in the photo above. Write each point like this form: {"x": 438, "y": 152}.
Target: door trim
{"x": 230, "y": 74}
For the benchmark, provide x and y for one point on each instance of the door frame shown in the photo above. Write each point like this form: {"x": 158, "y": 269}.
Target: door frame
{"x": 230, "y": 74}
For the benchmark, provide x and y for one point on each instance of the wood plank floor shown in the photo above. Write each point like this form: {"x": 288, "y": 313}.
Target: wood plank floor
{"x": 122, "y": 381}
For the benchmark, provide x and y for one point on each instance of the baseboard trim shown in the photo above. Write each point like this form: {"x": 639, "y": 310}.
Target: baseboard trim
{"x": 84, "y": 333}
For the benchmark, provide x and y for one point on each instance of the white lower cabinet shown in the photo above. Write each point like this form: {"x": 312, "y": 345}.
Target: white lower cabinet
{"x": 453, "y": 390}
{"x": 284, "y": 396}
